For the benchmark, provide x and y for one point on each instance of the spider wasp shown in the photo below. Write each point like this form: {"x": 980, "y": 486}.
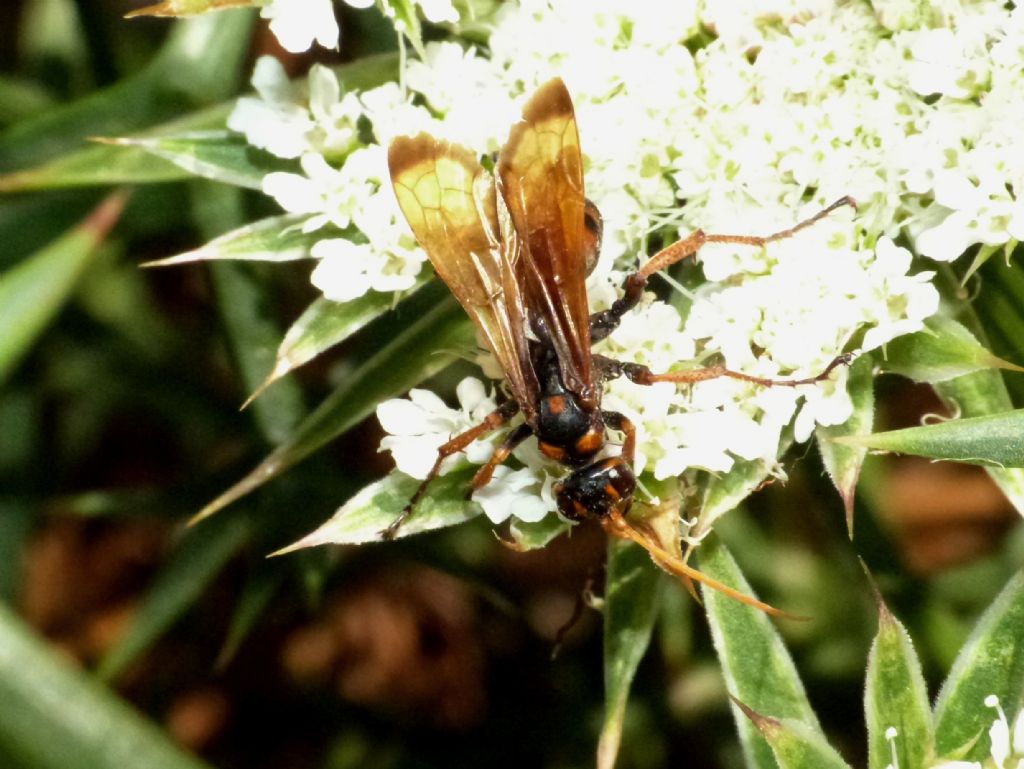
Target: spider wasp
{"x": 515, "y": 248}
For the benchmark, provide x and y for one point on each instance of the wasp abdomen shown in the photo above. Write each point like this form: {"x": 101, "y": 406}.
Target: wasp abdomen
{"x": 597, "y": 490}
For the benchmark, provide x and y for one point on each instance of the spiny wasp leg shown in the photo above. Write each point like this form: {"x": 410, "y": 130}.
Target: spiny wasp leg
{"x": 620, "y": 422}
{"x": 491, "y": 422}
{"x": 603, "y": 323}
{"x": 513, "y": 439}
{"x": 644, "y": 376}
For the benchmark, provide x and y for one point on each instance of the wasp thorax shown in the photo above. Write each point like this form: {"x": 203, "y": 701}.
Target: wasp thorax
{"x": 566, "y": 431}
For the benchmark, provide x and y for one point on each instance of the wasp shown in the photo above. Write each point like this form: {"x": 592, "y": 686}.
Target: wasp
{"x": 515, "y": 247}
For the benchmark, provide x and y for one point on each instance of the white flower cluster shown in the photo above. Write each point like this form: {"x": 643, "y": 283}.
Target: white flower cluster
{"x": 297, "y": 24}
{"x": 913, "y": 107}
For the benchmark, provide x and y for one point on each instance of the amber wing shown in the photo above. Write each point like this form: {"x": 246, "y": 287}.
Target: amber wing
{"x": 450, "y": 203}
{"x": 540, "y": 175}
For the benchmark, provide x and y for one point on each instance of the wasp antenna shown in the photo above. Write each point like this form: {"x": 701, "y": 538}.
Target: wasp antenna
{"x": 616, "y": 525}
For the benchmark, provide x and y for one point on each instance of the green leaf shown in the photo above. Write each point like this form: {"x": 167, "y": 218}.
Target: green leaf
{"x": 991, "y": 662}
{"x": 757, "y": 668}
{"x": 253, "y": 335}
{"x": 21, "y": 99}
{"x": 983, "y": 255}
{"x": 421, "y": 350}
{"x": 369, "y": 512}
{"x": 631, "y": 602}
{"x": 17, "y": 519}
{"x": 943, "y": 351}
{"x": 53, "y": 716}
{"x": 844, "y": 462}
{"x": 120, "y": 164}
{"x": 794, "y": 744}
{"x": 406, "y": 20}
{"x": 251, "y": 330}
{"x": 217, "y": 155}
{"x": 93, "y": 166}
{"x": 196, "y": 562}
{"x": 257, "y": 594}
{"x": 274, "y": 239}
{"x": 995, "y": 440}
{"x": 533, "y": 536}
{"x": 978, "y": 394}
{"x": 895, "y": 697}
{"x": 32, "y": 292}
{"x": 186, "y": 7}
{"x": 724, "y": 492}
{"x": 324, "y": 324}
{"x": 198, "y": 64}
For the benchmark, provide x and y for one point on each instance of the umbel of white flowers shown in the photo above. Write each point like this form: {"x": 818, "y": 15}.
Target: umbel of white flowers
{"x": 913, "y": 110}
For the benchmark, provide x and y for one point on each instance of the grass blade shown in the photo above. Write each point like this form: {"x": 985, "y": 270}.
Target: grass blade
{"x": 53, "y": 716}
{"x": 32, "y": 292}
{"x": 991, "y": 662}
{"x": 757, "y": 667}
{"x": 631, "y": 602}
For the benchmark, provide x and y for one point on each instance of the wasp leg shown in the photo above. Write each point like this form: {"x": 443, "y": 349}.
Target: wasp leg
{"x": 492, "y": 421}
{"x": 634, "y": 372}
{"x": 603, "y": 323}
{"x": 620, "y": 422}
{"x": 513, "y": 439}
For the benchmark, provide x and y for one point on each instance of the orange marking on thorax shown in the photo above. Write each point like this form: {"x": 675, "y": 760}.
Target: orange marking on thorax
{"x": 556, "y": 404}
{"x": 590, "y": 443}
{"x": 557, "y": 453}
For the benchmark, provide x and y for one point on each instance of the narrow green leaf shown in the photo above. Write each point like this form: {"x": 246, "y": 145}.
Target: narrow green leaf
{"x": 895, "y": 697}
{"x": 203, "y": 57}
{"x": 274, "y": 239}
{"x": 119, "y": 164}
{"x": 17, "y": 517}
{"x": 794, "y": 744}
{"x": 109, "y": 164}
{"x": 32, "y": 292}
{"x": 631, "y": 601}
{"x": 533, "y": 536}
{"x": 757, "y": 667}
{"x": 198, "y": 64}
{"x": 21, "y": 99}
{"x": 421, "y": 350}
{"x": 369, "y": 512}
{"x": 93, "y": 166}
{"x": 196, "y": 561}
{"x": 724, "y": 492}
{"x": 257, "y": 594}
{"x": 983, "y": 255}
{"x": 325, "y": 324}
{"x": 252, "y": 331}
{"x": 943, "y": 351}
{"x": 186, "y": 7}
{"x": 217, "y": 155}
{"x": 406, "y": 20}
{"x": 844, "y": 462}
{"x": 978, "y": 394}
{"x": 995, "y": 440}
{"x": 53, "y": 716}
{"x": 253, "y": 336}
{"x": 991, "y": 662}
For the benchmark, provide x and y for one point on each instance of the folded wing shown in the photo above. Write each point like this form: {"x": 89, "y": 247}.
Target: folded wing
{"x": 450, "y": 203}
{"x": 540, "y": 176}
